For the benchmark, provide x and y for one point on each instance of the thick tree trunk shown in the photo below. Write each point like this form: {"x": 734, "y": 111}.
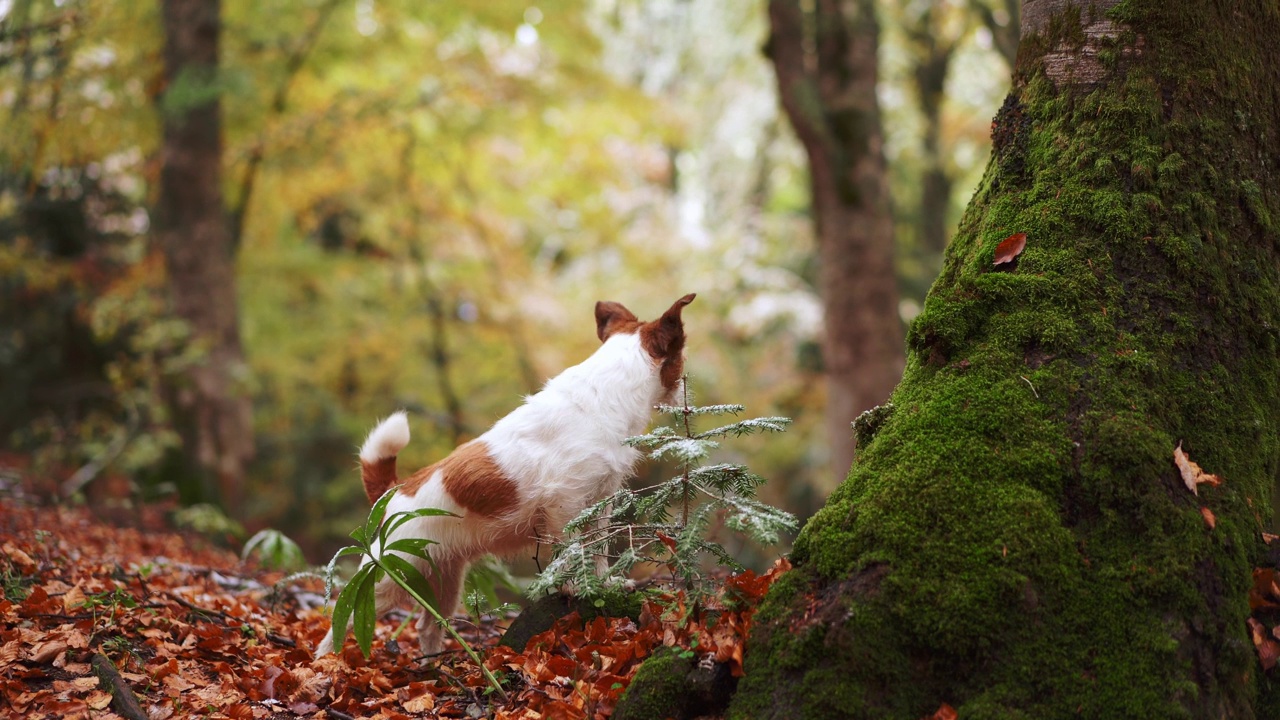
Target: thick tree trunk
{"x": 1014, "y": 538}
{"x": 826, "y": 69}
{"x": 211, "y": 408}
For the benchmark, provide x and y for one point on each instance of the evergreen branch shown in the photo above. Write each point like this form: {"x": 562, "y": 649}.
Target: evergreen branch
{"x": 680, "y": 412}
{"x": 746, "y": 427}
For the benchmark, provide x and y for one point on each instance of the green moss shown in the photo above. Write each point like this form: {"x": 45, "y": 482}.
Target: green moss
{"x": 658, "y": 689}
{"x": 672, "y": 684}
{"x": 1013, "y": 538}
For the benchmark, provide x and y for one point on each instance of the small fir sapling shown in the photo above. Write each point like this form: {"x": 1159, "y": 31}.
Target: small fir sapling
{"x": 667, "y": 524}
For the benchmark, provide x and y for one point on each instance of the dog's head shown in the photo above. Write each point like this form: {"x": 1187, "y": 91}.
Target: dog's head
{"x": 662, "y": 339}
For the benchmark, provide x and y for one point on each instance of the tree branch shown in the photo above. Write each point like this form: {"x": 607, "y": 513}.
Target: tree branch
{"x": 123, "y": 699}
{"x": 797, "y": 87}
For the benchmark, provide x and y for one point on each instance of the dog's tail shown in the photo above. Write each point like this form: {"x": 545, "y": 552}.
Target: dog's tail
{"x": 378, "y": 454}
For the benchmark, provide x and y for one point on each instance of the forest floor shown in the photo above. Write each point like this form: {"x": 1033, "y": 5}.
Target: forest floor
{"x": 194, "y": 632}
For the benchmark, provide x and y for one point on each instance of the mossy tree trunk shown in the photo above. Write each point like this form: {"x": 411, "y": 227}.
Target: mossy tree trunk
{"x": 211, "y": 409}
{"x": 1013, "y": 538}
{"x": 825, "y": 61}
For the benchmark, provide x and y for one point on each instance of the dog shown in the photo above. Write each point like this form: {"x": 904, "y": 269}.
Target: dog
{"x": 535, "y": 469}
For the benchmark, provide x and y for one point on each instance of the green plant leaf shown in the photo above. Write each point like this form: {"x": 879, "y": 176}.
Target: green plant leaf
{"x": 410, "y": 546}
{"x": 376, "y": 514}
{"x": 366, "y": 610}
{"x": 413, "y": 577}
{"x": 344, "y": 604}
{"x": 400, "y": 518}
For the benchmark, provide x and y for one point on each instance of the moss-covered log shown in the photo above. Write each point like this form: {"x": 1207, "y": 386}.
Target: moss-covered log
{"x": 1013, "y": 538}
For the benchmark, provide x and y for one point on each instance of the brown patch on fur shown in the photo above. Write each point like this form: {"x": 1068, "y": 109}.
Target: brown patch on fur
{"x": 477, "y": 483}
{"x": 612, "y": 318}
{"x": 377, "y": 477}
{"x": 414, "y": 482}
{"x": 472, "y": 479}
{"x": 663, "y": 339}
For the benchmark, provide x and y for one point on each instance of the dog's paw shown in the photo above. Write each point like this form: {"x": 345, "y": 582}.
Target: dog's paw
{"x": 326, "y": 645}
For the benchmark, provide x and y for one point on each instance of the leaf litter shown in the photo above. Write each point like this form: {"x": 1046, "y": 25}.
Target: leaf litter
{"x": 193, "y": 630}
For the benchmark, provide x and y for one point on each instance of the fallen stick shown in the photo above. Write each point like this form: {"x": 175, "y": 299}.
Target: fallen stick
{"x": 122, "y": 697}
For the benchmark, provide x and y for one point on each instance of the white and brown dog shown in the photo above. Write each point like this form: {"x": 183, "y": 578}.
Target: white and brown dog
{"x": 535, "y": 469}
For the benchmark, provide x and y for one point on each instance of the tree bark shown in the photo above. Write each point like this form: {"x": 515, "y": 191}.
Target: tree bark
{"x": 1014, "y": 538}
{"x": 211, "y": 408}
{"x": 825, "y": 63}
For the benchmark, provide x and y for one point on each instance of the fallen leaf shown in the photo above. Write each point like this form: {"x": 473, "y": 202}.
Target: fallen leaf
{"x": 1010, "y": 248}
{"x": 1209, "y": 519}
{"x": 1263, "y": 592}
{"x": 1268, "y": 537}
{"x": 46, "y": 651}
{"x": 1268, "y": 649}
{"x": 73, "y": 599}
{"x": 19, "y": 558}
{"x": 99, "y": 699}
{"x": 944, "y": 712}
{"x": 1192, "y": 475}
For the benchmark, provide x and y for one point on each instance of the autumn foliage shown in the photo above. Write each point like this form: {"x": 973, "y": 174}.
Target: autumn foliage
{"x": 192, "y": 630}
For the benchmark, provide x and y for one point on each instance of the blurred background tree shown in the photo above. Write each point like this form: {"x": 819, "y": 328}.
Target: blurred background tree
{"x": 422, "y": 202}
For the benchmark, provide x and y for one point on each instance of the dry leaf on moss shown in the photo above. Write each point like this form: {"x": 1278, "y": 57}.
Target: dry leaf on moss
{"x": 1209, "y": 519}
{"x": 1010, "y": 248}
{"x": 1192, "y": 475}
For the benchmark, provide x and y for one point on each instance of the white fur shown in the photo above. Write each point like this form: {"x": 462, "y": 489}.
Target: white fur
{"x": 563, "y": 451}
{"x": 387, "y": 439}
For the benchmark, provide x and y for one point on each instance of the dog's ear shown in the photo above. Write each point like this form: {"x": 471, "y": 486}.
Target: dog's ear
{"x": 612, "y": 317}
{"x": 664, "y": 337}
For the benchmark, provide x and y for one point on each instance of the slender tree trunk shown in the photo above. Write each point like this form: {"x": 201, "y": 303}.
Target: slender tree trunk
{"x": 212, "y": 411}
{"x": 825, "y": 63}
{"x": 1001, "y": 17}
{"x": 932, "y": 53}
{"x": 1014, "y": 538}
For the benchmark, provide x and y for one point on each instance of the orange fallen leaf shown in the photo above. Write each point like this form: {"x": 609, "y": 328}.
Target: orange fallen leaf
{"x": 1209, "y": 519}
{"x": 944, "y": 712}
{"x": 99, "y": 699}
{"x": 1268, "y": 649}
{"x": 1192, "y": 475}
{"x": 1010, "y": 248}
{"x": 45, "y": 651}
{"x": 1268, "y": 537}
{"x": 1265, "y": 590}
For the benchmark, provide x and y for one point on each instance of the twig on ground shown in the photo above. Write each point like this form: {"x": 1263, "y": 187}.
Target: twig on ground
{"x": 203, "y": 611}
{"x": 123, "y": 699}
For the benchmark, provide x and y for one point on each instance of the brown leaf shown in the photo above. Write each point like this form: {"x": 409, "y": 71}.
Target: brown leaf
{"x": 99, "y": 699}
{"x": 1268, "y": 649}
{"x": 944, "y": 712}
{"x": 73, "y": 599}
{"x": 1209, "y": 519}
{"x": 1263, "y": 592}
{"x": 1010, "y": 248}
{"x": 47, "y": 650}
{"x": 1192, "y": 475}
{"x": 19, "y": 558}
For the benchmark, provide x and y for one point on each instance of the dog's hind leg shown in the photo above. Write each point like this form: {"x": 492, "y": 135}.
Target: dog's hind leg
{"x": 447, "y": 583}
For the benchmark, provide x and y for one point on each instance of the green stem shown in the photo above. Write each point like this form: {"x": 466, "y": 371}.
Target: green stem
{"x": 475, "y": 657}
{"x": 688, "y": 433}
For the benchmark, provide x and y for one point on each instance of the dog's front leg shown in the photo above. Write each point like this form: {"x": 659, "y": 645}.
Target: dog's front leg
{"x": 386, "y": 595}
